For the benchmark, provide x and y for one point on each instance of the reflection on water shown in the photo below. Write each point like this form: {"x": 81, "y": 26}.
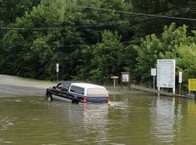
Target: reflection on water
{"x": 132, "y": 119}
{"x": 91, "y": 119}
{"x": 163, "y": 119}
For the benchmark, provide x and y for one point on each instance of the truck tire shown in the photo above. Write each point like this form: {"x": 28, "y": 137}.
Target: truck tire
{"x": 49, "y": 97}
{"x": 74, "y": 101}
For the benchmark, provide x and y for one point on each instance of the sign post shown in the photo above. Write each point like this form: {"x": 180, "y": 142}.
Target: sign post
{"x": 114, "y": 80}
{"x": 153, "y": 73}
{"x": 180, "y": 82}
{"x": 57, "y": 71}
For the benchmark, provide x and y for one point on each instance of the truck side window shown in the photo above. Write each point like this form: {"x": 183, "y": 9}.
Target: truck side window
{"x": 77, "y": 90}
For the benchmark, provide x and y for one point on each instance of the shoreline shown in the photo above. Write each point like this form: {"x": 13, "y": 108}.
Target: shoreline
{"x": 12, "y": 86}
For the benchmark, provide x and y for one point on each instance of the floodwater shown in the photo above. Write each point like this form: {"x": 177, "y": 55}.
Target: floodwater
{"x": 133, "y": 119}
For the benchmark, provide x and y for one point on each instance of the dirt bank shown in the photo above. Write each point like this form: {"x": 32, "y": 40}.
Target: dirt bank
{"x": 15, "y": 86}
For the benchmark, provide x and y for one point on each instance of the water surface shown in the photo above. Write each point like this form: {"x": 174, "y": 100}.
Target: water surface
{"x": 133, "y": 119}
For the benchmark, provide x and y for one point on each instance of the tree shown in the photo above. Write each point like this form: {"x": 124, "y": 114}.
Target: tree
{"x": 107, "y": 58}
{"x": 37, "y": 46}
{"x": 11, "y": 9}
{"x": 77, "y": 33}
{"x": 167, "y": 45}
{"x": 187, "y": 61}
{"x": 56, "y": 31}
{"x": 145, "y": 25}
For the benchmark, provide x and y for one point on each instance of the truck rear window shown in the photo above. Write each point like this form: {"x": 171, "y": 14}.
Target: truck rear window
{"x": 96, "y": 92}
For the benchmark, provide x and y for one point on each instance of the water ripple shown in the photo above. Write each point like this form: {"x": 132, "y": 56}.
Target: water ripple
{"x": 5, "y": 123}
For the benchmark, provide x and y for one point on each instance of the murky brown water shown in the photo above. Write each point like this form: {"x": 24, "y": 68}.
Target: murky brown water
{"x": 134, "y": 119}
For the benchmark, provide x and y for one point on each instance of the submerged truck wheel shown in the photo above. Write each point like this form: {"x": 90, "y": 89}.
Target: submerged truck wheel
{"x": 49, "y": 97}
{"x": 75, "y": 101}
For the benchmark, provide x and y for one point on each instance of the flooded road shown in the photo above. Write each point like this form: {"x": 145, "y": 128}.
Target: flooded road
{"x": 133, "y": 119}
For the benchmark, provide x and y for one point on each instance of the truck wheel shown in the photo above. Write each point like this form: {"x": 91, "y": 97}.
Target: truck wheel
{"x": 49, "y": 97}
{"x": 74, "y": 101}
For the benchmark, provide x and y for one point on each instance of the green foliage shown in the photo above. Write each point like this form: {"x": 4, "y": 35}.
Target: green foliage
{"x": 187, "y": 60}
{"x": 147, "y": 55}
{"x": 43, "y": 48}
{"x": 170, "y": 8}
{"x": 11, "y": 9}
{"x": 171, "y": 44}
{"x": 10, "y": 47}
{"x": 92, "y": 39}
{"x": 106, "y": 59}
{"x": 69, "y": 25}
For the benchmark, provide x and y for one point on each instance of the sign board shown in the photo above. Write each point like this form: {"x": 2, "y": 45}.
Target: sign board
{"x": 166, "y": 73}
{"x": 124, "y": 77}
{"x": 153, "y": 71}
{"x": 57, "y": 67}
{"x": 192, "y": 84}
{"x": 180, "y": 77}
{"x": 114, "y": 77}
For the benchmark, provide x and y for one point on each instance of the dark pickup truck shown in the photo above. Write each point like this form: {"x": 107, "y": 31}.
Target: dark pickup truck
{"x": 78, "y": 92}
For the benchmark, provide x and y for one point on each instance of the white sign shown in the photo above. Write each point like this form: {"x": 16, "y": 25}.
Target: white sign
{"x": 125, "y": 77}
{"x": 114, "y": 77}
{"x": 180, "y": 77}
{"x": 153, "y": 71}
{"x": 57, "y": 67}
{"x": 166, "y": 73}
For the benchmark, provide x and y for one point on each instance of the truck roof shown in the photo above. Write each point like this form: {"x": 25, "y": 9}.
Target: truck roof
{"x": 86, "y": 85}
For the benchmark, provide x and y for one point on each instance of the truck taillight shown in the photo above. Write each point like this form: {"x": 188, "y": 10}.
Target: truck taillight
{"x": 84, "y": 99}
{"x": 108, "y": 99}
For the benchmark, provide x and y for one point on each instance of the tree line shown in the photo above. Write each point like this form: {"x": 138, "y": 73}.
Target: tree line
{"x": 95, "y": 39}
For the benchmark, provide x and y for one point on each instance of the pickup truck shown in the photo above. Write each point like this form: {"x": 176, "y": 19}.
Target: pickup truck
{"x": 78, "y": 92}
